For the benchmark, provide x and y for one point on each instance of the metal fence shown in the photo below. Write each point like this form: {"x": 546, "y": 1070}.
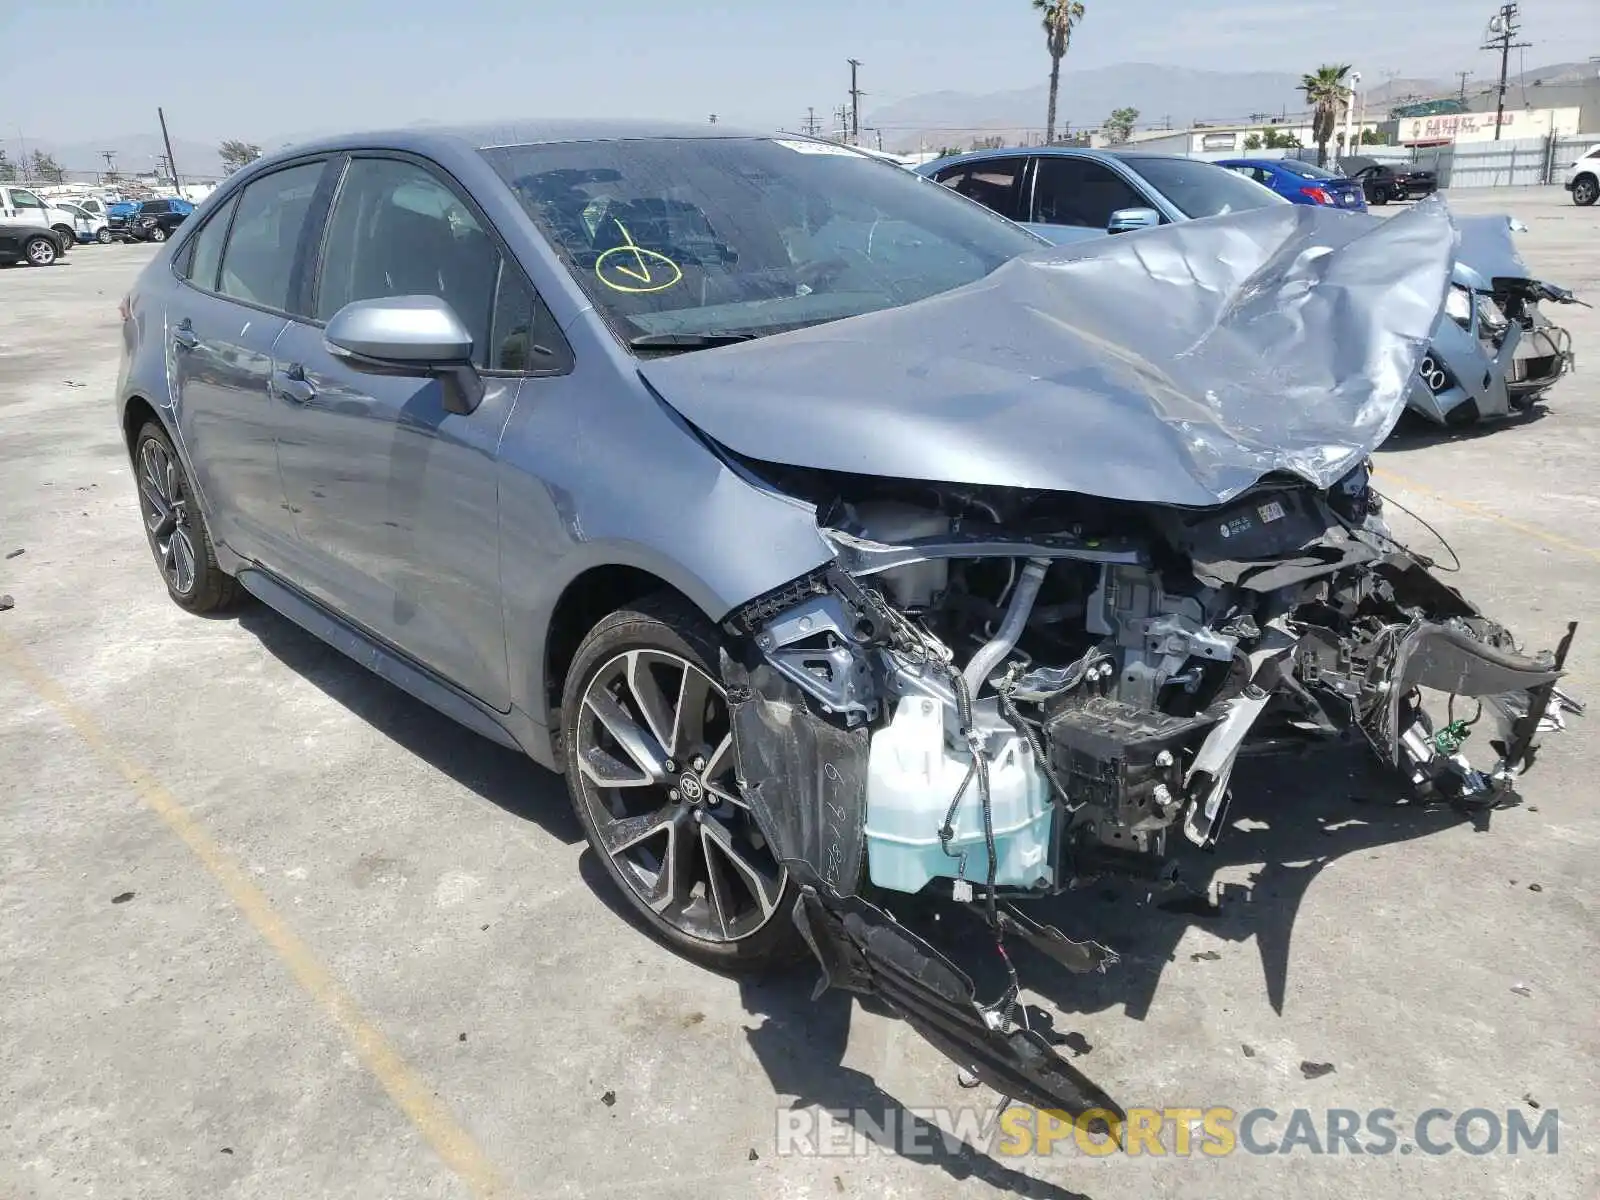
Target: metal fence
{"x": 1521, "y": 162}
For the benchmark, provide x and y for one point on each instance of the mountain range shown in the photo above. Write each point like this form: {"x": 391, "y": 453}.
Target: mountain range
{"x": 1165, "y": 95}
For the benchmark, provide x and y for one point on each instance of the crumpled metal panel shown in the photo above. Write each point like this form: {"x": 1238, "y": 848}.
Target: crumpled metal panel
{"x": 1489, "y": 248}
{"x": 1176, "y": 365}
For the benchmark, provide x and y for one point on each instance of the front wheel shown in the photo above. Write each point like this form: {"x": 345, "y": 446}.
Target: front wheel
{"x": 650, "y": 766}
{"x": 158, "y": 234}
{"x": 103, "y": 237}
{"x": 40, "y": 251}
{"x": 1380, "y": 197}
{"x": 1585, "y": 190}
{"x": 176, "y": 528}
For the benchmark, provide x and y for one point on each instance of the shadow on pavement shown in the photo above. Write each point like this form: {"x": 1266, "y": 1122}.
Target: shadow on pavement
{"x": 503, "y": 777}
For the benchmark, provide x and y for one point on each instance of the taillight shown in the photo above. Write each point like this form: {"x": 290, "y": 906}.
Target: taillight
{"x": 1317, "y": 194}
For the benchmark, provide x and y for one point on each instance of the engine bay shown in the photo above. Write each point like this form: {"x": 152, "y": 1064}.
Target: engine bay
{"x": 995, "y": 695}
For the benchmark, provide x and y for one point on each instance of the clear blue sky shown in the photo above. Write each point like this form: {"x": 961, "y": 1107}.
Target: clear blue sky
{"x": 270, "y": 69}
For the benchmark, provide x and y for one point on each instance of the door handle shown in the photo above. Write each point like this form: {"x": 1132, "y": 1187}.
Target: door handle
{"x": 184, "y": 335}
{"x": 291, "y": 384}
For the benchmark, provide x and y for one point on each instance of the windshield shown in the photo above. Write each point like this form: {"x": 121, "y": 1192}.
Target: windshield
{"x": 1308, "y": 170}
{"x": 691, "y": 237}
{"x": 1201, "y": 189}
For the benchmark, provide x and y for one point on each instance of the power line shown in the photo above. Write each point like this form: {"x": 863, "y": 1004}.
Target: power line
{"x": 1502, "y": 28}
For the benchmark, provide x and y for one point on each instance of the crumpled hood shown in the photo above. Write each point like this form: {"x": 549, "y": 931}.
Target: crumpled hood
{"x": 1487, "y": 246}
{"x": 1175, "y": 365}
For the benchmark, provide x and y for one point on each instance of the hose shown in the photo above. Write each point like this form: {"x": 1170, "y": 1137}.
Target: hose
{"x": 1022, "y": 598}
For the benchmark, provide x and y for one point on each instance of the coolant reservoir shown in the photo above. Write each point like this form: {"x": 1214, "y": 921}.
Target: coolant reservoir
{"x": 912, "y": 775}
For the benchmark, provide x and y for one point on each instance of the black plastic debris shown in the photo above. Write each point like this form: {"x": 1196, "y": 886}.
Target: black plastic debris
{"x": 609, "y": 1099}
{"x": 1249, "y": 1050}
{"x": 1536, "y": 887}
{"x": 122, "y": 897}
{"x": 1315, "y": 1070}
{"x": 6, "y": 602}
{"x": 1205, "y": 956}
{"x": 18, "y": 552}
{"x": 1522, "y": 989}
{"x": 754, "y": 1157}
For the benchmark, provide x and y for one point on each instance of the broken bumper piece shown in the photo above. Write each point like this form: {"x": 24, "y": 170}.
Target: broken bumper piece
{"x": 863, "y": 949}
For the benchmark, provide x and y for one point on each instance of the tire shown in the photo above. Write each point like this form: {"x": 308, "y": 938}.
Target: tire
{"x": 175, "y": 527}
{"x": 1585, "y": 190}
{"x": 157, "y": 234}
{"x": 40, "y": 251}
{"x": 69, "y": 239}
{"x": 103, "y": 236}
{"x": 634, "y": 668}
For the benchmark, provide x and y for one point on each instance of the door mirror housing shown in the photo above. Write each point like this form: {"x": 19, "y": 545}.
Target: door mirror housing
{"x": 409, "y": 335}
{"x": 1126, "y": 220}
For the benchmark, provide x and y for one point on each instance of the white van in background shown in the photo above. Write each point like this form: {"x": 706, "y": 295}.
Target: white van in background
{"x": 20, "y": 203}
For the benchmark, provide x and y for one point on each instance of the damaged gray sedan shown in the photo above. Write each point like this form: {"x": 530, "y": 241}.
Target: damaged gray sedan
{"x": 839, "y": 543}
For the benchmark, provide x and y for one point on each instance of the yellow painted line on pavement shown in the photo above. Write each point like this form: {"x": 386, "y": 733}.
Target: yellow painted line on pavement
{"x": 414, "y": 1098}
{"x": 1472, "y": 508}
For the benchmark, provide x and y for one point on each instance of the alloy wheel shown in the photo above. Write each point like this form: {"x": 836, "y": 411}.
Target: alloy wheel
{"x": 40, "y": 252}
{"x": 158, "y": 234}
{"x": 166, "y": 515}
{"x": 103, "y": 236}
{"x": 655, "y": 755}
{"x": 1585, "y": 191}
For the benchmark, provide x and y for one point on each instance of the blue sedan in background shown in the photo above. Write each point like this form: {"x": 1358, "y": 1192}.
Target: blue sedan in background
{"x": 1302, "y": 182}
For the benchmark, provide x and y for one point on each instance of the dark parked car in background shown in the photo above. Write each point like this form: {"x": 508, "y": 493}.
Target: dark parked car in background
{"x": 769, "y": 491}
{"x": 1384, "y": 183}
{"x": 29, "y": 242}
{"x": 156, "y": 220}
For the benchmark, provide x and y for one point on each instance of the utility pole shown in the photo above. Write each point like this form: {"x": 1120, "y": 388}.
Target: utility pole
{"x": 811, "y": 121}
{"x": 1464, "y": 76}
{"x": 171, "y": 162}
{"x": 1502, "y": 28}
{"x": 111, "y": 161}
{"x": 855, "y": 103}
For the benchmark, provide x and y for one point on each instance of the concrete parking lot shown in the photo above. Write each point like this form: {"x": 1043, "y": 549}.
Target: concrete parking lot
{"x": 270, "y": 928}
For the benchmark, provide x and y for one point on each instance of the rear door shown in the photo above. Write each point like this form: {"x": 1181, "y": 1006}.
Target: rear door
{"x": 396, "y": 500}
{"x": 241, "y": 280}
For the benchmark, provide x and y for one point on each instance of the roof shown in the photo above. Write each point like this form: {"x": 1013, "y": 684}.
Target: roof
{"x": 518, "y": 132}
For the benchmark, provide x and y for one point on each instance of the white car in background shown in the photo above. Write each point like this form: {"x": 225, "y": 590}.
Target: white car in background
{"x": 87, "y": 226}
{"x": 22, "y": 204}
{"x": 1583, "y": 180}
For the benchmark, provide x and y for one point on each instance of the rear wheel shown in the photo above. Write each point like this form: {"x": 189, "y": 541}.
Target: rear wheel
{"x": 176, "y": 528}
{"x": 1585, "y": 190}
{"x": 40, "y": 251}
{"x": 650, "y": 766}
{"x": 158, "y": 234}
{"x": 103, "y": 236}
{"x": 67, "y": 236}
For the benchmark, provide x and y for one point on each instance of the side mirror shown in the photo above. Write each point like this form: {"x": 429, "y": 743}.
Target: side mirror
{"x": 1126, "y": 220}
{"x": 408, "y": 335}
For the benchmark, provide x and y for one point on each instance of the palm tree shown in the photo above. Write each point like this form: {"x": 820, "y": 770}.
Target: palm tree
{"x": 1327, "y": 95}
{"x": 1061, "y": 17}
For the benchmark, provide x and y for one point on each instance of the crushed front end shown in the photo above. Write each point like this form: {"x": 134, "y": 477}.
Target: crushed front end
{"x": 993, "y": 695}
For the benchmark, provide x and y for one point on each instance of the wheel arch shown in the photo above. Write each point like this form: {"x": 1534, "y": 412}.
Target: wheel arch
{"x": 588, "y": 598}
{"x": 136, "y": 413}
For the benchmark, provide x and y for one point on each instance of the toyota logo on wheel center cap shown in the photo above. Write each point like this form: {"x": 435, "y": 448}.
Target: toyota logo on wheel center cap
{"x": 689, "y": 786}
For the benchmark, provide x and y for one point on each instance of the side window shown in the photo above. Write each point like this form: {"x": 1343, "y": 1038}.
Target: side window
{"x": 398, "y": 230}
{"x": 22, "y": 199}
{"x": 203, "y": 255}
{"x": 523, "y": 336}
{"x": 1076, "y": 191}
{"x": 993, "y": 183}
{"x": 269, "y": 218}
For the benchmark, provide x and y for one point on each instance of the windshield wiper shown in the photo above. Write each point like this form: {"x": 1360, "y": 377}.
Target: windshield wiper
{"x": 686, "y": 341}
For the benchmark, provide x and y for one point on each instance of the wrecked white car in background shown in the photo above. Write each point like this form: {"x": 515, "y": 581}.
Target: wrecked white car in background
{"x": 1102, "y": 523}
{"x": 1494, "y": 351}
